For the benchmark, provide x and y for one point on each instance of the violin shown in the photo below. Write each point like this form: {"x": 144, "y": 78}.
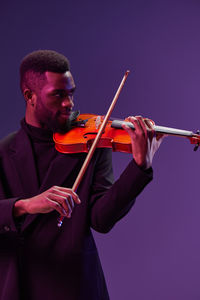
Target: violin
{"x": 86, "y": 126}
{"x": 98, "y": 131}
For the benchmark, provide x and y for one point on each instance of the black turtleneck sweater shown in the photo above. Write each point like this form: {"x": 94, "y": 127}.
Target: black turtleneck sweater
{"x": 43, "y": 148}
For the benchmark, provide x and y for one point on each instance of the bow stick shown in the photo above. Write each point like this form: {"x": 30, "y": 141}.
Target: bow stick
{"x": 96, "y": 140}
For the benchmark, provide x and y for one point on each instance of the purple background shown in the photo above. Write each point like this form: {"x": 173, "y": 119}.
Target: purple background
{"x": 153, "y": 253}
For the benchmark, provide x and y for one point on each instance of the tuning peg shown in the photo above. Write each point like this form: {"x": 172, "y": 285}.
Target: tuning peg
{"x": 198, "y": 144}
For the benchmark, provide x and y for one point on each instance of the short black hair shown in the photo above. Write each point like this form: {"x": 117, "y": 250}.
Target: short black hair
{"x": 36, "y": 63}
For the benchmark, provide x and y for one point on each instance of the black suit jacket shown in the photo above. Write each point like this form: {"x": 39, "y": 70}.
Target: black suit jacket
{"x": 40, "y": 260}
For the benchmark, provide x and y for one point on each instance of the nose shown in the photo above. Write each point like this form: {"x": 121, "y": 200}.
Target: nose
{"x": 68, "y": 102}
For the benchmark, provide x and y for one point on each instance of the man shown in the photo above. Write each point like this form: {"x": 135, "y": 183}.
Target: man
{"x": 38, "y": 260}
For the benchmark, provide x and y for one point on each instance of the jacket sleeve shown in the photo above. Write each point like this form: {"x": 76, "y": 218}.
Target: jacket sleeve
{"x": 111, "y": 201}
{"x": 7, "y": 221}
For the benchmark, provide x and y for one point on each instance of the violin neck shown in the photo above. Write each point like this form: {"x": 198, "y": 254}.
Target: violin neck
{"x": 173, "y": 131}
{"x": 158, "y": 129}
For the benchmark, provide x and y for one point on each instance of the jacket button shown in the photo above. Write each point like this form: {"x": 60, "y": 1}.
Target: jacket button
{"x": 6, "y": 228}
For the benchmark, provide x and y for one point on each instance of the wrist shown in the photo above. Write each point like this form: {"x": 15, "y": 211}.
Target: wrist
{"x": 144, "y": 165}
{"x": 19, "y": 208}
{"x": 141, "y": 163}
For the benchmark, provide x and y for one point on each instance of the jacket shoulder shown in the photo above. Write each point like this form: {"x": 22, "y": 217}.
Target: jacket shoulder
{"x": 6, "y": 141}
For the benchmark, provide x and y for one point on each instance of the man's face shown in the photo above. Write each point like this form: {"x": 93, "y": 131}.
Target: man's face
{"x": 55, "y": 101}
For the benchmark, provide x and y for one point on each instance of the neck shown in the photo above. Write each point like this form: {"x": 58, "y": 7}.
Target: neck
{"x": 31, "y": 120}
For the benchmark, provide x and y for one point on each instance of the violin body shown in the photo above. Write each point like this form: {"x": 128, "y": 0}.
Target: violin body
{"x": 80, "y": 138}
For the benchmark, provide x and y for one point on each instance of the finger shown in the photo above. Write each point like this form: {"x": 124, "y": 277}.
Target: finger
{"x": 69, "y": 208}
{"x": 65, "y": 192}
{"x": 63, "y": 201}
{"x": 56, "y": 206}
{"x": 136, "y": 123}
{"x": 128, "y": 130}
{"x": 160, "y": 136}
{"x": 70, "y": 202}
{"x": 151, "y": 131}
{"x": 149, "y": 123}
{"x": 71, "y": 205}
{"x": 144, "y": 128}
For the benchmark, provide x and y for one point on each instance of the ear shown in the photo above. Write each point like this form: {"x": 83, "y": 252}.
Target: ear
{"x": 29, "y": 97}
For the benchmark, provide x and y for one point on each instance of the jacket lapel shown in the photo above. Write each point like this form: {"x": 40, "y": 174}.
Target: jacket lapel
{"x": 63, "y": 170}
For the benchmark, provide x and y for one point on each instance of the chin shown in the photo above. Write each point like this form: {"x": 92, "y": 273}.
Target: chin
{"x": 61, "y": 127}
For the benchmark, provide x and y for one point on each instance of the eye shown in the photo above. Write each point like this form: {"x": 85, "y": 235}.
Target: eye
{"x": 59, "y": 94}
{"x": 63, "y": 94}
{"x": 70, "y": 95}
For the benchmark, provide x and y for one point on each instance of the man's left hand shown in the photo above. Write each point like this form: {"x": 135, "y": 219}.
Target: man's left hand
{"x": 144, "y": 141}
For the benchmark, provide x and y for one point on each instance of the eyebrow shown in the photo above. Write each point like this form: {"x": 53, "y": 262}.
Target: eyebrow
{"x": 64, "y": 90}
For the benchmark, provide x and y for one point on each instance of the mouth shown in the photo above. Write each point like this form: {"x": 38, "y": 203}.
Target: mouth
{"x": 65, "y": 113}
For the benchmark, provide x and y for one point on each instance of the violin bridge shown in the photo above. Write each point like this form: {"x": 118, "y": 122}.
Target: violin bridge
{"x": 98, "y": 122}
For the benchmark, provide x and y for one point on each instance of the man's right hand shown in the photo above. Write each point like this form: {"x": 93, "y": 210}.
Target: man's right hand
{"x": 56, "y": 198}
